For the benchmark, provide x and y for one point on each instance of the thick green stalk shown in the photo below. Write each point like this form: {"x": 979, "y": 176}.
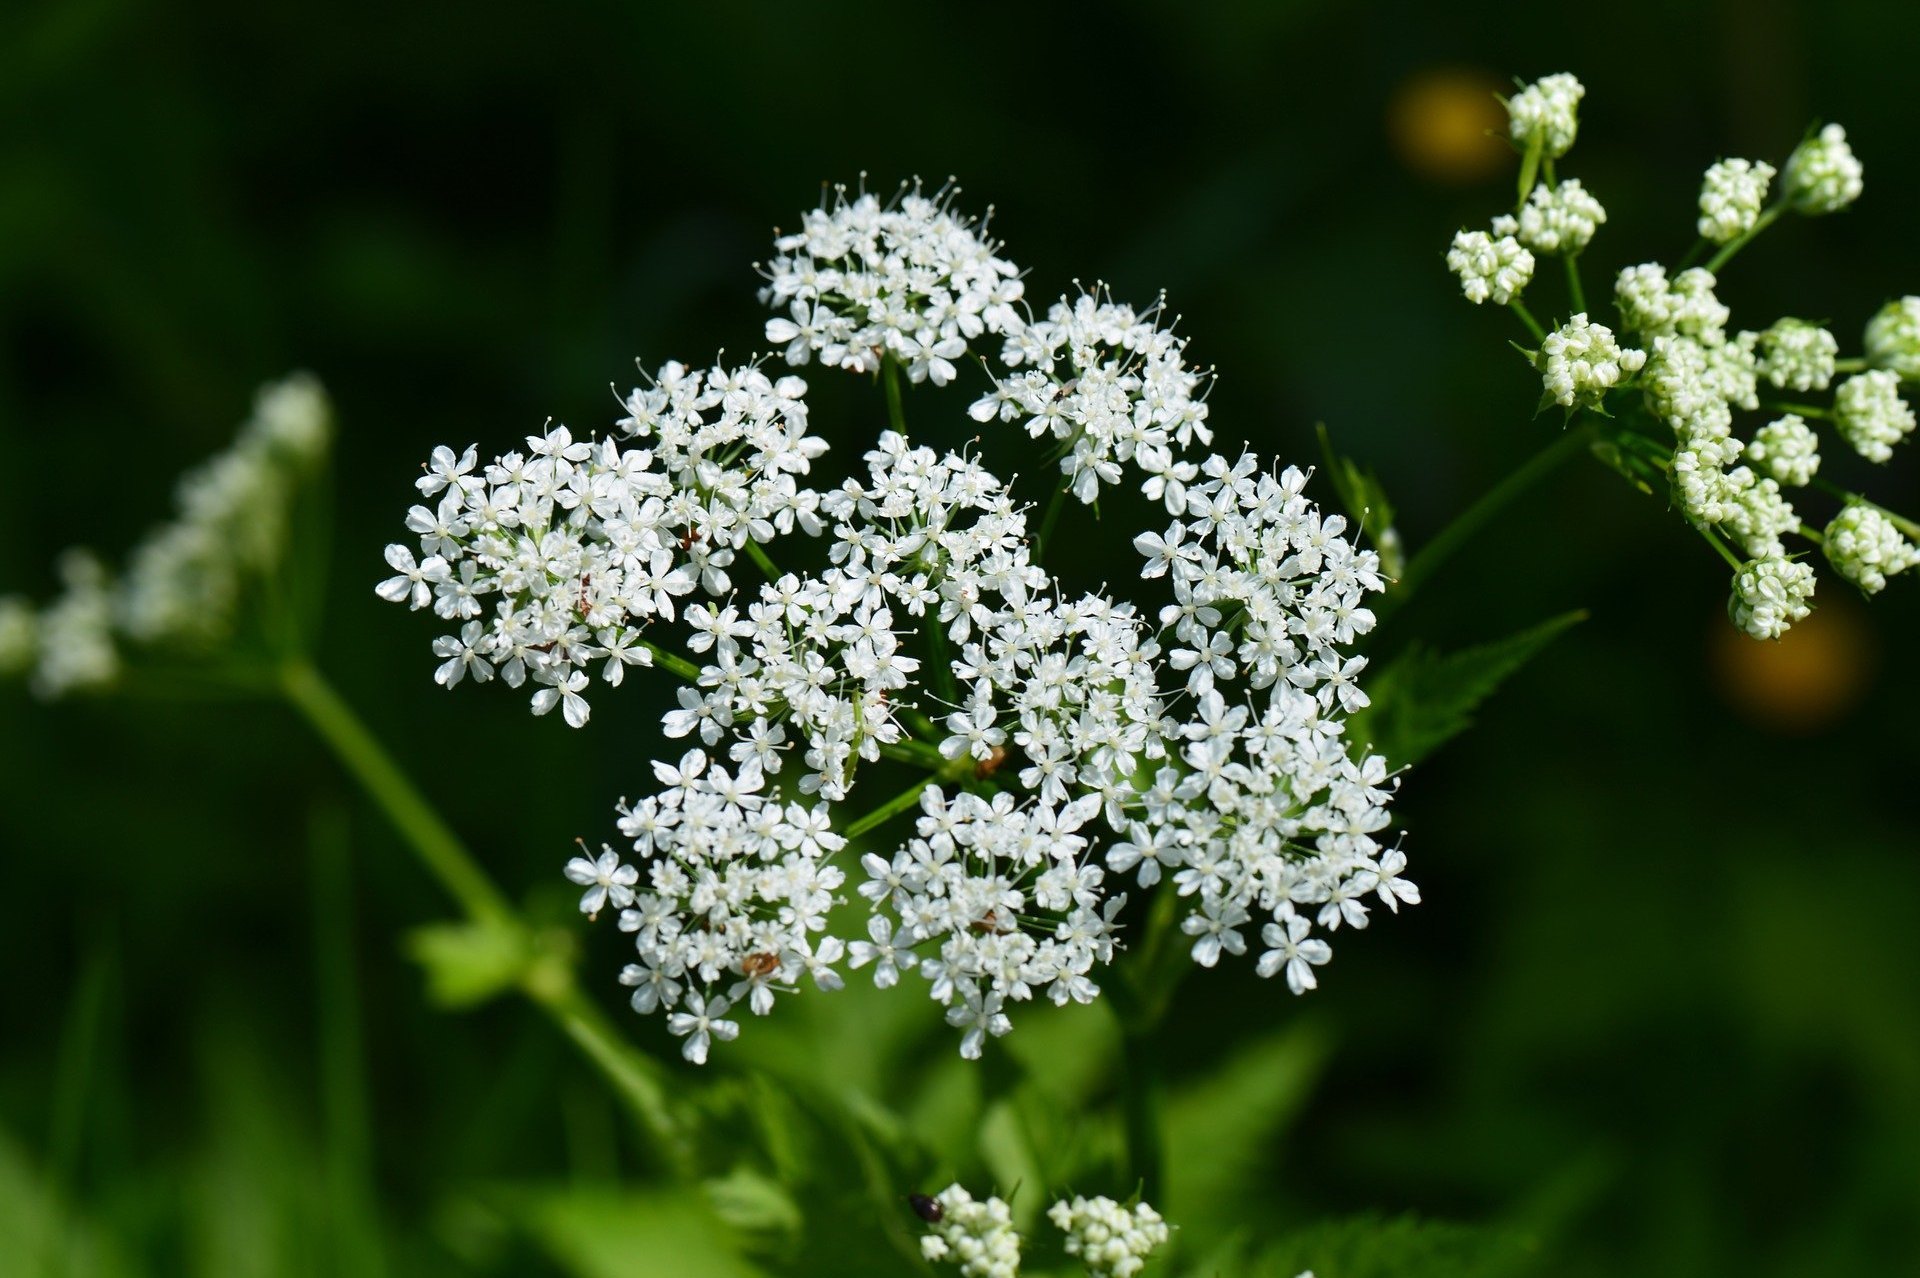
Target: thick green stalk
{"x": 437, "y": 846}
{"x": 1462, "y": 530}
{"x": 1767, "y": 218}
{"x": 638, "y": 1078}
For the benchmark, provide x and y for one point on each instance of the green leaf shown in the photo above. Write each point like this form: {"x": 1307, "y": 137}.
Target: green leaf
{"x": 604, "y": 1232}
{"x": 1365, "y": 499}
{"x": 1222, "y": 1129}
{"x": 1399, "y": 1247}
{"x": 1422, "y": 699}
{"x": 468, "y": 963}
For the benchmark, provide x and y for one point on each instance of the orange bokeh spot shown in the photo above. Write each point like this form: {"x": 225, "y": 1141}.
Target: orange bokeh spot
{"x": 1446, "y": 124}
{"x": 1806, "y": 680}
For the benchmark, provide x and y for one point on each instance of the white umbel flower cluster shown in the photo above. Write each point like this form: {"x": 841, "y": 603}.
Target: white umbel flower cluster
{"x": 1769, "y": 595}
{"x": 1788, "y": 450}
{"x": 1064, "y": 744}
{"x": 1556, "y": 219}
{"x": 1581, "y": 361}
{"x": 1866, "y": 548}
{"x": 552, "y": 561}
{"x": 975, "y": 1234}
{"x": 1870, "y": 414}
{"x": 1796, "y": 355}
{"x": 1111, "y": 387}
{"x": 1731, "y": 196}
{"x": 1893, "y": 338}
{"x": 1697, "y": 374}
{"x": 1112, "y": 1241}
{"x": 861, "y": 281}
{"x": 1822, "y": 175}
{"x": 184, "y": 591}
{"x": 1546, "y": 113}
{"x": 1490, "y": 270}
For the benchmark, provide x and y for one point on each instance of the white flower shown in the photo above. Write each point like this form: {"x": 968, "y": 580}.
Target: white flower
{"x": 1112, "y": 1241}
{"x": 1731, "y": 196}
{"x": 1866, "y": 548}
{"x": 1769, "y": 595}
{"x": 1650, "y": 306}
{"x": 700, "y": 1024}
{"x": 1822, "y": 174}
{"x": 1558, "y": 219}
{"x": 1490, "y": 270}
{"x": 1870, "y": 415}
{"x": 605, "y": 879}
{"x": 910, "y": 279}
{"x": 978, "y": 1236}
{"x": 1893, "y": 338}
{"x": 1796, "y": 355}
{"x": 1291, "y": 951}
{"x": 1788, "y": 449}
{"x": 1546, "y": 112}
{"x": 1581, "y": 361}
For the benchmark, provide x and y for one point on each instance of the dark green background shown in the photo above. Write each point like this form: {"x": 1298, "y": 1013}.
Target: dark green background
{"x": 1659, "y": 1004}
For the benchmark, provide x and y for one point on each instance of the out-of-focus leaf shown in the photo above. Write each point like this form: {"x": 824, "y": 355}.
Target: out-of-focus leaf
{"x": 1220, "y": 1128}
{"x": 1422, "y": 699}
{"x": 756, "y": 1206}
{"x": 468, "y": 963}
{"x": 1008, "y": 1152}
{"x": 1365, "y": 499}
{"x": 596, "y": 1232}
{"x": 1398, "y": 1247}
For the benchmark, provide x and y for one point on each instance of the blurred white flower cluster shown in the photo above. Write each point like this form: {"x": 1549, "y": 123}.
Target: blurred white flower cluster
{"x": 1108, "y": 1239}
{"x": 182, "y": 591}
{"x": 1189, "y": 736}
{"x": 1677, "y": 365}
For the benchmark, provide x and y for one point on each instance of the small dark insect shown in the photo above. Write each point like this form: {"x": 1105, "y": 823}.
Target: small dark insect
{"x": 990, "y": 924}
{"x": 760, "y": 964}
{"x": 586, "y": 608}
{"x": 927, "y": 1209}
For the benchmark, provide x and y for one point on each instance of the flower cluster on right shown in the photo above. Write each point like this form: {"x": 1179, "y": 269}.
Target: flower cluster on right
{"x": 1674, "y": 376}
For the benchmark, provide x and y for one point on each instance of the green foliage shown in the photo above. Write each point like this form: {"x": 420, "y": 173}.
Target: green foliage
{"x": 609, "y": 1232}
{"x": 1365, "y": 499}
{"x": 467, "y": 964}
{"x": 1398, "y": 1247}
{"x": 1422, "y": 699}
{"x": 1224, "y": 1127}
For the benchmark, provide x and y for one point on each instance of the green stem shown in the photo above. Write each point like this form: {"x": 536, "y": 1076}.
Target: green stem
{"x": 1456, "y": 534}
{"x": 438, "y": 847}
{"x": 1767, "y": 218}
{"x": 638, "y": 1078}
{"x": 1814, "y": 411}
{"x": 1526, "y": 317}
{"x": 1858, "y": 364}
{"x": 760, "y": 557}
{"x": 891, "y": 808}
{"x": 1052, "y": 517}
{"x": 1574, "y": 290}
{"x": 896, "y": 411}
{"x": 1813, "y": 535}
{"x": 672, "y": 662}
{"x": 1726, "y": 552}
{"x": 1905, "y": 525}
{"x": 343, "y": 1085}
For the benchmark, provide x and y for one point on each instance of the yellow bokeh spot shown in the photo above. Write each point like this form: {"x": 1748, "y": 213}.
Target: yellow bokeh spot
{"x": 1446, "y": 124}
{"x": 1806, "y": 680}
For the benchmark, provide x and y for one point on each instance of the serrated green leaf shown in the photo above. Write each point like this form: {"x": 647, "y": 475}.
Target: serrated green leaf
{"x": 1422, "y": 699}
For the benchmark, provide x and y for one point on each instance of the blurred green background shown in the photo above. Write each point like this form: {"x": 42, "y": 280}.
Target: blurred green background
{"x": 1658, "y": 1008}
